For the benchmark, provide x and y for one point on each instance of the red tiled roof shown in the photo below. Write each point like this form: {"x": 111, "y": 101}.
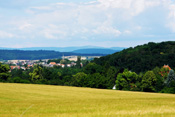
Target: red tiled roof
{"x": 52, "y": 63}
{"x": 167, "y": 66}
{"x": 13, "y": 67}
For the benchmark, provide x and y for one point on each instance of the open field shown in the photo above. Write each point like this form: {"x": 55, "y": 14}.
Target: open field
{"x": 43, "y": 100}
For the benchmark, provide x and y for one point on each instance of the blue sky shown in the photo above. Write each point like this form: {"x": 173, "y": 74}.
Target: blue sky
{"x": 106, "y": 23}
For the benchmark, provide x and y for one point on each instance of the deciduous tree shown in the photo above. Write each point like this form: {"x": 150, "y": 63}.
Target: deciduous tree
{"x": 149, "y": 81}
{"x": 4, "y": 72}
{"x": 126, "y": 80}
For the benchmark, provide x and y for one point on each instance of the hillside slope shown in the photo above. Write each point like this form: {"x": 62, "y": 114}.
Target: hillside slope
{"x": 142, "y": 58}
{"x": 48, "y": 101}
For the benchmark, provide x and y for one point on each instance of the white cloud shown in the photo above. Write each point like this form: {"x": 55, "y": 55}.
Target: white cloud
{"x": 54, "y": 32}
{"x": 171, "y": 25}
{"x": 89, "y": 20}
{"x": 171, "y": 17}
{"x": 127, "y": 32}
{"x": 133, "y": 7}
{"x": 5, "y": 34}
{"x": 42, "y": 8}
{"x": 172, "y": 11}
{"x": 25, "y": 26}
{"x": 138, "y": 28}
{"x": 107, "y": 30}
{"x": 91, "y": 2}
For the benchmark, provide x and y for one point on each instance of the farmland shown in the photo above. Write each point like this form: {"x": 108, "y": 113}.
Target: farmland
{"x": 45, "y": 100}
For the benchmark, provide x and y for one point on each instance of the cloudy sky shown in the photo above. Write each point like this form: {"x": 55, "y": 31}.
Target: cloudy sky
{"x": 107, "y": 23}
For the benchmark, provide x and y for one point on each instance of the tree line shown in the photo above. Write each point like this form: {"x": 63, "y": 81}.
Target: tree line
{"x": 94, "y": 76}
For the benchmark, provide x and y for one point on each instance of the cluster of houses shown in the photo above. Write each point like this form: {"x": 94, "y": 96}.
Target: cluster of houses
{"x": 22, "y": 64}
{"x": 51, "y": 64}
{"x": 27, "y": 64}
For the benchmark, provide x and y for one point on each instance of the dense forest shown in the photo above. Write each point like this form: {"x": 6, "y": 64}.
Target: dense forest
{"x": 36, "y": 55}
{"x": 142, "y": 58}
{"x": 104, "y": 74}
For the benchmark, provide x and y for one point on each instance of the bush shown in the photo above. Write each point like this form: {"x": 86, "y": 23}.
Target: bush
{"x": 19, "y": 80}
{"x": 168, "y": 90}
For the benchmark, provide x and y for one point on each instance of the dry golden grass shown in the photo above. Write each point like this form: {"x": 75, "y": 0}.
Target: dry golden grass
{"x": 43, "y": 100}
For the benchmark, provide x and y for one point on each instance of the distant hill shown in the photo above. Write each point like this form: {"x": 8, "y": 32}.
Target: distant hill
{"x": 143, "y": 57}
{"x": 36, "y": 55}
{"x": 95, "y": 51}
{"x": 117, "y": 48}
{"x": 62, "y": 49}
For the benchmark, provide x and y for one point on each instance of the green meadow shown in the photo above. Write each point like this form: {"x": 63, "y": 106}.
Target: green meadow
{"x": 28, "y": 100}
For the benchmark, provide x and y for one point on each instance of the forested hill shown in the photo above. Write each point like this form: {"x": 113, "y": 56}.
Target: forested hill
{"x": 142, "y": 58}
{"x": 36, "y": 55}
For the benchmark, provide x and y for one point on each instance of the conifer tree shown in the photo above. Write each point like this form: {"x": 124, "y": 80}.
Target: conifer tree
{"x": 171, "y": 77}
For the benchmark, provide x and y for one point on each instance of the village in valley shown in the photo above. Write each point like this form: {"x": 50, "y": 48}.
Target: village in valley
{"x": 65, "y": 61}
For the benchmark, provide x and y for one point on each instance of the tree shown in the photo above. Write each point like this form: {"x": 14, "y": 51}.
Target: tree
{"x": 126, "y": 80}
{"x": 111, "y": 77}
{"x": 160, "y": 80}
{"x": 171, "y": 77}
{"x": 4, "y": 72}
{"x": 96, "y": 80}
{"x": 37, "y": 73}
{"x": 149, "y": 81}
{"x": 164, "y": 73}
{"x": 79, "y": 79}
{"x": 78, "y": 65}
{"x": 92, "y": 68}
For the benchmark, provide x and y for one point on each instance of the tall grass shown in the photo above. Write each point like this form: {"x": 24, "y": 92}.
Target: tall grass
{"x": 44, "y": 100}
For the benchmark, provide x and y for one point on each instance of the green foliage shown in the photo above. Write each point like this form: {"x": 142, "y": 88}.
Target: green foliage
{"x": 92, "y": 68}
{"x": 80, "y": 79}
{"x": 19, "y": 80}
{"x": 149, "y": 81}
{"x": 78, "y": 63}
{"x": 126, "y": 80}
{"x": 168, "y": 90}
{"x": 96, "y": 80}
{"x": 171, "y": 78}
{"x": 4, "y": 72}
{"x": 96, "y": 76}
{"x": 142, "y": 58}
{"x": 160, "y": 80}
{"x": 37, "y": 73}
{"x": 85, "y": 62}
{"x": 164, "y": 72}
{"x": 111, "y": 77}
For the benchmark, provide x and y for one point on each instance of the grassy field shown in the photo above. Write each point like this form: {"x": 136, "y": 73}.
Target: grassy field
{"x": 43, "y": 100}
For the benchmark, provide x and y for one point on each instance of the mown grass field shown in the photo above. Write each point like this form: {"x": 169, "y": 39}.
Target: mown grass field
{"x": 43, "y": 100}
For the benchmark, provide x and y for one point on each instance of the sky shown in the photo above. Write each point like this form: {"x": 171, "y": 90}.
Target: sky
{"x": 105, "y": 23}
